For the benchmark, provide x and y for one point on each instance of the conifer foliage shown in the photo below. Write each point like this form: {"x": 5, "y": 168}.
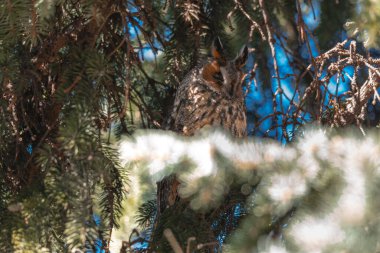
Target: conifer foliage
{"x": 318, "y": 194}
{"x": 78, "y": 74}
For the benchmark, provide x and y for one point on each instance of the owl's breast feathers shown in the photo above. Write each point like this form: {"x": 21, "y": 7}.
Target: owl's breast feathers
{"x": 200, "y": 102}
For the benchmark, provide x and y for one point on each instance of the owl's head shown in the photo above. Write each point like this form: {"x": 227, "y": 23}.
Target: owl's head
{"x": 227, "y": 74}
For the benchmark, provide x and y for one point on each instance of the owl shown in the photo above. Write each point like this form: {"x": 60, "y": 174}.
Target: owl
{"x": 211, "y": 95}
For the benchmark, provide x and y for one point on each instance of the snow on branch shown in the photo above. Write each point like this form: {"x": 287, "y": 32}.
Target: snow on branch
{"x": 326, "y": 181}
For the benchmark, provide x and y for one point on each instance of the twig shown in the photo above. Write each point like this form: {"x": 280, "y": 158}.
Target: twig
{"x": 172, "y": 240}
{"x": 271, "y": 41}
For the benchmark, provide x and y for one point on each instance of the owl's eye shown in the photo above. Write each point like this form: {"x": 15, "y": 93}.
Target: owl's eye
{"x": 218, "y": 77}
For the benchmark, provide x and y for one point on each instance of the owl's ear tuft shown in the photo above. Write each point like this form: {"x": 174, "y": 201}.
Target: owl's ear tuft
{"x": 217, "y": 50}
{"x": 241, "y": 58}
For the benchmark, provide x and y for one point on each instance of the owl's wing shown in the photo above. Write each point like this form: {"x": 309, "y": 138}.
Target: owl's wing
{"x": 196, "y": 106}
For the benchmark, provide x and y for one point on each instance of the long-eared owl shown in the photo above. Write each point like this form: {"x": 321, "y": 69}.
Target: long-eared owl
{"x": 211, "y": 94}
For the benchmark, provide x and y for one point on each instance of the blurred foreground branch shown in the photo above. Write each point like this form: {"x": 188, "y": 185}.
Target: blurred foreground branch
{"x": 324, "y": 180}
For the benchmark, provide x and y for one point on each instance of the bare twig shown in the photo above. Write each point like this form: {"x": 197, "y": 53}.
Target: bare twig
{"x": 173, "y": 241}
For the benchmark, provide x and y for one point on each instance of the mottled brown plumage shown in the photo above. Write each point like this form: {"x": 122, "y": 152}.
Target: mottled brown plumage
{"x": 211, "y": 95}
